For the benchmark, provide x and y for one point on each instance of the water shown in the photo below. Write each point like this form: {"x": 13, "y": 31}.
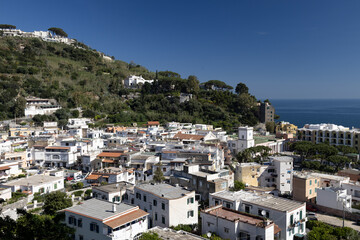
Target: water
{"x": 344, "y": 112}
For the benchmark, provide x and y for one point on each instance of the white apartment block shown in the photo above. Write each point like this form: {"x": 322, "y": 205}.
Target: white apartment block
{"x": 245, "y": 140}
{"x": 278, "y": 173}
{"x": 36, "y": 183}
{"x": 102, "y": 220}
{"x": 234, "y": 225}
{"x": 353, "y": 189}
{"x": 289, "y": 215}
{"x": 167, "y": 205}
{"x": 336, "y": 198}
{"x": 134, "y": 81}
{"x": 60, "y": 156}
{"x": 115, "y": 192}
{"x": 334, "y": 134}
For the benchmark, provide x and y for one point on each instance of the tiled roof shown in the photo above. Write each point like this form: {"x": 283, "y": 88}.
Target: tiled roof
{"x": 182, "y": 136}
{"x": 110, "y": 154}
{"x": 123, "y": 219}
{"x": 59, "y": 148}
{"x": 92, "y": 177}
{"x": 153, "y": 123}
{"x": 4, "y": 168}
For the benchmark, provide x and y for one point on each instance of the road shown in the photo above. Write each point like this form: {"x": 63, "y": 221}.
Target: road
{"x": 336, "y": 221}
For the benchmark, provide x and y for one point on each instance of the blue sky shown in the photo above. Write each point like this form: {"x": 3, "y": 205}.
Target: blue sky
{"x": 280, "y": 49}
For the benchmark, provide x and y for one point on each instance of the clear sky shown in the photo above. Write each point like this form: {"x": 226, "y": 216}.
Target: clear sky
{"x": 280, "y": 49}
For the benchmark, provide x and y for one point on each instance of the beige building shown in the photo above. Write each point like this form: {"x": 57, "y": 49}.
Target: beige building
{"x": 305, "y": 187}
{"x": 286, "y": 127}
{"x": 249, "y": 173}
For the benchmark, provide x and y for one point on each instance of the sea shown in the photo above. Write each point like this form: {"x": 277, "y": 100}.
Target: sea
{"x": 345, "y": 112}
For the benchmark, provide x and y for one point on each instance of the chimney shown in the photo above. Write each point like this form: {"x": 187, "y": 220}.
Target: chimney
{"x": 114, "y": 207}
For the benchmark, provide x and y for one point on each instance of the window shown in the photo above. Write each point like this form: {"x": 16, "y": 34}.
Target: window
{"x": 190, "y": 214}
{"x": 81, "y": 237}
{"x": 310, "y": 191}
{"x": 80, "y": 222}
{"x": 144, "y": 198}
{"x": 247, "y": 208}
{"x": 71, "y": 220}
{"x": 226, "y": 230}
{"x": 163, "y": 206}
{"x": 301, "y": 215}
{"x": 190, "y": 200}
{"x": 55, "y": 186}
{"x": 310, "y": 183}
{"x": 292, "y": 219}
{"x": 155, "y": 202}
{"x": 94, "y": 227}
{"x": 155, "y": 216}
{"x": 315, "y": 181}
{"x": 163, "y": 219}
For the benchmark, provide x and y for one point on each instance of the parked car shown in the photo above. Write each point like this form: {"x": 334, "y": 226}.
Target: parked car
{"x": 310, "y": 208}
{"x": 311, "y": 216}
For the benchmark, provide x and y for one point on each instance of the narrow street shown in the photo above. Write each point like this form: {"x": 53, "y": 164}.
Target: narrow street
{"x": 336, "y": 221}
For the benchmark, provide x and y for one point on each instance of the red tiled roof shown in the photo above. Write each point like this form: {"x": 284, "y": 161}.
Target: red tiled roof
{"x": 183, "y": 136}
{"x": 153, "y": 123}
{"x": 123, "y": 219}
{"x": 4, "y": 168}
{"x": 110, "y": 154}
{"x": 59, "y": 148}
{"x": 108, "y": 161}
{"x": 92, "y": 177}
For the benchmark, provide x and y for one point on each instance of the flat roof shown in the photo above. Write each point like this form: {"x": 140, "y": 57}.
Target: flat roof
{"x": 164, "y": 190}
{"x": 168, "y": 233}
{"x": 260, "y": 199}
{"x": 115, "y": 187}
{"x": 33, "y": 180}
{"x": 99, "y": 209}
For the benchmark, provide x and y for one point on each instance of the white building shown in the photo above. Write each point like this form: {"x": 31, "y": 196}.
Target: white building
{"x": 168, "y": 205}
{"x": 278, "y": 174}
{"x": 60, "y": 156}
{"x": 289, "y": 215}
{"x": 8, "y": 169}
{"x": 245, "y": 140}
{"x": 134, "y": 81}
{"x": 115, "y": 192}
{"x": 41, "y": 106}
{"x": 231, "y": 224}
{"x": 36, "y": 183}
{"x": 102, "y": 220}
{"x": 353, "y": 189}
{"x": 336, "y": 198}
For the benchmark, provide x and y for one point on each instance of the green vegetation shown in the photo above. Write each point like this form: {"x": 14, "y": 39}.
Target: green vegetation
{"x": 56, "y": 201}
{"x": 323, "y": 231}
{"x": 150, "y": 236}
{"x": 324, "y": 157}
{"x": 257, "y": 154}
{"x": 158, "y": 174}
{"x": 16, "y": 196}
{"x": 78, "y": 76}
{"x": 58, "y": 32}
{"x": 7, "y": 26}
{"x": 78, "y": 193}
{"x": 237, "y": 186}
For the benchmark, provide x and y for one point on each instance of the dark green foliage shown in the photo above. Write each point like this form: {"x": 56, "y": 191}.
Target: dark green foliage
{"x": 323, "y": 231}
{"x": 241, "y": 88}
{"x": 7, "y": 26}
{"x": 58, "y": 31}
{"x": 270, "y": 127}
{"x": 56, "y": 201}
{"x": 79, "y": 77}
{"x": 78, "y": 193}
{"x": 150, "y": 236}
{"x": 158, "y": 174}
{"x": 238, "y": 186}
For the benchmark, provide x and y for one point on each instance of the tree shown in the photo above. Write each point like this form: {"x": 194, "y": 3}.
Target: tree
{"x": 7, "y": 26}
{"x": 346, "y": 149}
{"x": 58, "y": 31}
{"x": 303, "y": 148}
{"x": 270, "y": 127}
{"x": 75, "y": 113}
{"x": 56, "y": 201}
{"x": 192, "y": 84}
{"x": 158, "y": 175}
{"x": 338, "y": 161}
{"x": 150, "y": 236}
{"x": 238, "y": 186}
{"x": 241, "y": 88}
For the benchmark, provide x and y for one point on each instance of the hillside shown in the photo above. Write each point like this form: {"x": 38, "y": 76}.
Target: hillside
{"x": 77, "y": 76}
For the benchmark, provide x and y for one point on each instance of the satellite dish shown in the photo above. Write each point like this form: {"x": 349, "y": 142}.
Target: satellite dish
{"x": 263, "y": 212}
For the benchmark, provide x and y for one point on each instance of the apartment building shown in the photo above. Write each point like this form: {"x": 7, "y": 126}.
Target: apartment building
{"x": 103, "y": 220}
{"x": 115, "y": 192}
{"x": 245, "y": 140}
{"x": 278, "y": 174}
{"x": 331, "y": 133}
{"x": 203, "y": 181}
{"x": 289, "y": 215}
{"x": 267, "y": 112}
{"x": 60, "y": 156}
{"x": 332, "y": 197}
{"x": 231, "y": 224}
{"x": 249, "y": 173}
{"x": 167, "y": 205}
{"x": 305, "y": 187}
{"x": 135, "y": 81}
